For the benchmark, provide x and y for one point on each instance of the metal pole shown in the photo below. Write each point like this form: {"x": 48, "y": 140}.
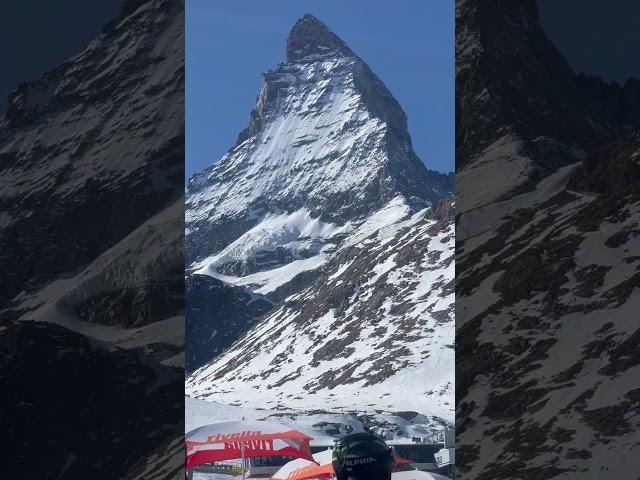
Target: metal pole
{"x": 242, "y": 453}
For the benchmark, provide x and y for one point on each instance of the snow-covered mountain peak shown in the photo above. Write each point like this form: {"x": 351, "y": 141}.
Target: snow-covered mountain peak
{"x": 310, "y": 37}
{"x": 319, "y": 216}
{"x": 326, "y": 136}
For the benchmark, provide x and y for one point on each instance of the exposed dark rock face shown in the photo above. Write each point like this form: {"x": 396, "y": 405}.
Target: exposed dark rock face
{"x": 612, "y": 170}
{"x": 309, "y": 36}
{"x": 617, "y": 104}
{"x": 547, "y": 256}
{"x": 135, "y": 307}
{"x": 64, "y": 397}
{"x": 92, "y": 267}
{"x": 511, "y": 79}
{"x": 217, "y": 314}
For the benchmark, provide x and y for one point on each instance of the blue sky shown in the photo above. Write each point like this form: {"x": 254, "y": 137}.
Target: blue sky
{"x": 409, "y": 44}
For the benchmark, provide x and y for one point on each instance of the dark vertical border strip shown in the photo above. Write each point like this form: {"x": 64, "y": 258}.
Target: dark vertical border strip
{"x": 547, "y": 256}
{"x": 92, "y": 262}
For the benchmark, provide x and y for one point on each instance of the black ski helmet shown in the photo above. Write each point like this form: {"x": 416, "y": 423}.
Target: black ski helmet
{"x": 362, "y": 456}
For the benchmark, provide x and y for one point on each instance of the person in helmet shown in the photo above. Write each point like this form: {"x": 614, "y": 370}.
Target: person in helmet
{"x": 362, "y": 456}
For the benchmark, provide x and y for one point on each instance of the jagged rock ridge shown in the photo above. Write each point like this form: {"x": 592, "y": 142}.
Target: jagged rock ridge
{"x": 510, "y": 79}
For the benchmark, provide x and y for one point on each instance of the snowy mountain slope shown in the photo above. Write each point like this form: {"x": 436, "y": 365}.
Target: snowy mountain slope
{"x": 557, "y": 274}
{"x": 377, "y": 323}
{"x": 322, "y": 194}
{"x": 547, "y": 260}
{"x": 276, "y": 240}
{"x": 92, "y": 270}
{"x": 91, "y": 214}
{"x": 324, "y": 127}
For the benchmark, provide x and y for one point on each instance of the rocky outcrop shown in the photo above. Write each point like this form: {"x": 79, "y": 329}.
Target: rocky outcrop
{"x": 217, "y": 314}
